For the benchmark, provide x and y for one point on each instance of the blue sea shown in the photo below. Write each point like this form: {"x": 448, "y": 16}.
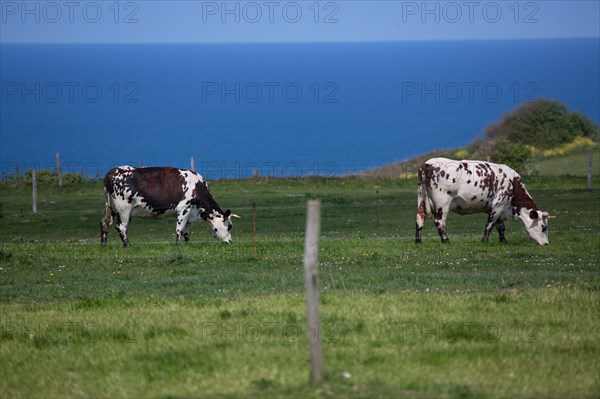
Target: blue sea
{"x": 273, "y": 109}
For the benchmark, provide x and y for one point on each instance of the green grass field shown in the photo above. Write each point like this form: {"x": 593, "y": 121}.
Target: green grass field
{"x": 575, "y": 164}
{"x": 203, "y": 320}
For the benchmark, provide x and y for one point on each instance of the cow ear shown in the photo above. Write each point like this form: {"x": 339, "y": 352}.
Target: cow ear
{"x": 533, "y": 215}
{"x": 227, "y": 214}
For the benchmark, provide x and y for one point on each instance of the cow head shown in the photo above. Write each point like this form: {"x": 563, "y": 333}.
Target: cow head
{"x": 220, "y": 225}
{"x": 536, "y": 224}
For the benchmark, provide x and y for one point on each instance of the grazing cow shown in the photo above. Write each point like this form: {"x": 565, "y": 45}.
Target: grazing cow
{"x": 161, "y": 191}
{"x": 472, "y": 187}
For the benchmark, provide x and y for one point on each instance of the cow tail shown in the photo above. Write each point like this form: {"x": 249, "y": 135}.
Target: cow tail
{"x": 106, "y": 198}
{"x": 107, "y": 219}
{"x": 422, "y": 196}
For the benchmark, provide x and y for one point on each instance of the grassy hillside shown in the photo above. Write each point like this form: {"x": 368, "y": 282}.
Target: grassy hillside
{"x": 573, "y": 164}
{"x": 155, "y": 320}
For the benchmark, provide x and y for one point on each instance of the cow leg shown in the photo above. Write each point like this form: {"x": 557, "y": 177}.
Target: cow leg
{"x": 105, "y": 225}
{"x": 500, "y": 228}
{"x": 186, "y": 232}
{"x": 440, "y": 223}
{"x": 182, "y": 227}
{"x": 122, "y": 223}
{"x": 491, "y": 222}
{"x": 420, "y": 222}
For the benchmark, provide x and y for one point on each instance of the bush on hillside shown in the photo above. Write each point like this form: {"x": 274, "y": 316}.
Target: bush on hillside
{"x": 514, "y": 155}
{"x": 541, "y": 124}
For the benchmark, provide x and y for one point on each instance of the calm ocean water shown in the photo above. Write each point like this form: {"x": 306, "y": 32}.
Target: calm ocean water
{"x": 292, "y": 109}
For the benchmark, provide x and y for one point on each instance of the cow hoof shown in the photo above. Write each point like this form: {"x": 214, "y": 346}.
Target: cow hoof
{"x": 445, "y": 241}
{"x": 418, "y": 241}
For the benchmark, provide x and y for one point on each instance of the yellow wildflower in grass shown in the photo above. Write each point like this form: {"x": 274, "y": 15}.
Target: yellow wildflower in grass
{"x": 461, "y": 154}
{"x": 408, "y": 175}
{"x": 533, "y": 151}
{"x": 578, "y": 143}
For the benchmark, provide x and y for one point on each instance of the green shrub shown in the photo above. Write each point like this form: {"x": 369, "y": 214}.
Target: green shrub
{"x": 514, "y": 155}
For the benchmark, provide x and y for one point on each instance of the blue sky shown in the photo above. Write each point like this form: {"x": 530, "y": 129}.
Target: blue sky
{"x": 153, "y": 21}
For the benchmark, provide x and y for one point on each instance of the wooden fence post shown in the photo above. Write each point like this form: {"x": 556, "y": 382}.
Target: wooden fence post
{"x": 59, "y": 170}
{"x": 18, "y": 176}
{"x": 589, "y": 169}
{"x": 254, "y": 226}
{"x": 192, "y": 164}
{"x": 34, "y": 191}
{"x": 377, "y": 205}
{"x": 311, "y": 253}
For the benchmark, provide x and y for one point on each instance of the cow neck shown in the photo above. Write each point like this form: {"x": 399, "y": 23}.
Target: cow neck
{"x": 202, "y": 198}
{"x": 521, "y": 198}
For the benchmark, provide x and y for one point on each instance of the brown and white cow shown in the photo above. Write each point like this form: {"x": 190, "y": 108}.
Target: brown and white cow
{"x": 161, "y": 191}
{"x": 468, "y": 187}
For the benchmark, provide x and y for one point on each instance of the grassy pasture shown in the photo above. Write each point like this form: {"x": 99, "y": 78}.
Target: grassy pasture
{"x": 155, "y": 320}
{"x": 575, "y": 164}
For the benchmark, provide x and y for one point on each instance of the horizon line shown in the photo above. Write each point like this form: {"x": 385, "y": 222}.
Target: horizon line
{"x": 301, "y": 42}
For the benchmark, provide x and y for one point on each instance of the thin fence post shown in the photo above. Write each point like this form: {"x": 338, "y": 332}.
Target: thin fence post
{"x": 59, "y": 170}
{"x": 34, "y": 195}
{"x": 311, "y": 253}
{"x": 377, "y": 205}
{"x": 254, "y": 226}
{"x": 18, "y": 176}
{"x": 192, "y": 164}
{"x": 589, "y": 169}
